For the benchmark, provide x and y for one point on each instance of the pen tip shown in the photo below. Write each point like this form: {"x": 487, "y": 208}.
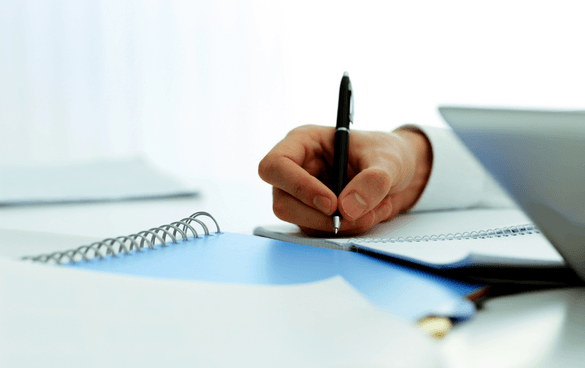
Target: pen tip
{"x": 336, "y": 224}
{"x": 345, "y": 74}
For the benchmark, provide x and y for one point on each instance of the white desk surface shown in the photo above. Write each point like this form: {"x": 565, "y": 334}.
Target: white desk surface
{"x": 539, "y": 329}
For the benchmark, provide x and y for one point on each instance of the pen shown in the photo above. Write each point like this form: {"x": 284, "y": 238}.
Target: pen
{"x": 341, "y": 148}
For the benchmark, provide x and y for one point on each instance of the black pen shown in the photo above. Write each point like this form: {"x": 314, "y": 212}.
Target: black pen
{"x": 341, "y": 149}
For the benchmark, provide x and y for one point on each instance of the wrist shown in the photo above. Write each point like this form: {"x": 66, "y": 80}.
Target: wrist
{"x": 422, "y": 150}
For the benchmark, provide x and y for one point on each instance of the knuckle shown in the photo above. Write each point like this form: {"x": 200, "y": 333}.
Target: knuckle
{"x": 280, "y": 210}
{"x": 296, "y": 190}
{"x": 302, "y": 129}
{"x": 265, "y": 167}
{"x": 309, "y": 131}
{"x": 281, "y": 205}
{"x": 271, "y": 170}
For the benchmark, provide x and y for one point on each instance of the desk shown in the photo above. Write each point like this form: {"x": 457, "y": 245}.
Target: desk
{"x": 538, "y": 329}
{"x": 237, "y": 206}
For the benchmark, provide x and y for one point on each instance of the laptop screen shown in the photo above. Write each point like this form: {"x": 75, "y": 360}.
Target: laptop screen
{"x": 539, "y": 159}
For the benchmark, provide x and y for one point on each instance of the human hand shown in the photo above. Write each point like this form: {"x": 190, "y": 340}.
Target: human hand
{"x": 387, "y": 173}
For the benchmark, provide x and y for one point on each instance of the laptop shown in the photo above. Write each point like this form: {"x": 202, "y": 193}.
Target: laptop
{"x": 539, "y": 159}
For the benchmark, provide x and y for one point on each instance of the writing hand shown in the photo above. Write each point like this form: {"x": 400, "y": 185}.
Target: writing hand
{"x": 387, "y": 173}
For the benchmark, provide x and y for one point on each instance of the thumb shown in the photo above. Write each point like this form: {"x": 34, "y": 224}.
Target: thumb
{"x": 364, "y": 192}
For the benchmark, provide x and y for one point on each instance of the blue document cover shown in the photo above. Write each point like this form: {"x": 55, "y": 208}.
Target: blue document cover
{"x": 237, "y": 258}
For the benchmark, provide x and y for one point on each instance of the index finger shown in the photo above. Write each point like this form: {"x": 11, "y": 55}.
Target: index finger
{"x": 282, "y": 168}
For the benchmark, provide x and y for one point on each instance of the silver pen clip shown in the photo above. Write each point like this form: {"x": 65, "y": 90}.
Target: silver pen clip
{"x": 350, "y": 105}
{"x": 350, "y": 89}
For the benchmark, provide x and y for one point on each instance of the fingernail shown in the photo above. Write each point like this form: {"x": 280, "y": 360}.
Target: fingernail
{"x": 323, "y": 204}
{"x": 354, "y": 205}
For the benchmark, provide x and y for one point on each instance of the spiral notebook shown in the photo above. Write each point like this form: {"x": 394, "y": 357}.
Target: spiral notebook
{"x": 444, "y": 239}
{"x": 194, "y": 248}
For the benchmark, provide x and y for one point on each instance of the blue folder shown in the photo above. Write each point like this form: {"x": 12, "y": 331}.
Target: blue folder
{"x": 247, "y": 259}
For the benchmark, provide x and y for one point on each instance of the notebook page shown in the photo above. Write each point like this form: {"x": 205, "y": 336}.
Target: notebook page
{"x": 529, "y": 249}
{"x": 409, "y": 225}
{"x": 398, "y": 237}
{"x": 445, "y": 222}
{"x": 519, "y": 250}
{"x": 62, "y": 317}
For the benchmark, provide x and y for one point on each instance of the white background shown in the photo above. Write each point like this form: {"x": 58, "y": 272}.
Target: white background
{"x": 206, "y": 88}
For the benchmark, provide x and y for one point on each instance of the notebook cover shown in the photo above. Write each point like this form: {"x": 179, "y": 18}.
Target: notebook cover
{"x": 246, "y": 259}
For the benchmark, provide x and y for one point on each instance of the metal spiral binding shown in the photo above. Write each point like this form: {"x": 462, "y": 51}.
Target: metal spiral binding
{"x": 124, "y": 244}
{"x": 482, "y": 234}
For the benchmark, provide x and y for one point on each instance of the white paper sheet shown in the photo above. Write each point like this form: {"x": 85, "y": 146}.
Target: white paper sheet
{"x": 93, "y": 181}
{"x": 57, "y": 317}
{"x": 20, "y": 243}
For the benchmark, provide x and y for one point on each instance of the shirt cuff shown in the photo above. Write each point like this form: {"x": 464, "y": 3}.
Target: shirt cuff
{"x": 457, "y": 179}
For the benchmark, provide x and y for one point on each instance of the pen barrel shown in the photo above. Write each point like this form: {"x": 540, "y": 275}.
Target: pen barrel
{"x": 340, "y": 155}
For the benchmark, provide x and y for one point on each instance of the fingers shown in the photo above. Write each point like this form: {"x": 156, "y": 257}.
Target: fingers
{"x": 364, "y": 193}
{"x": 284, "y": 174}
{"x": 350, "y": 228}
{"x": 312, "y": 221}
{"x": 290, "y": 209}
{"x": 294, "y": 164}
{"x": 382, "y": 167}
{"x": 315, "y": 223}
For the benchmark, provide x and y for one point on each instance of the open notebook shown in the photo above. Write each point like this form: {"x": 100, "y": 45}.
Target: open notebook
{"x": 189, "y": 249}
{"x": 444, "y": 239}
